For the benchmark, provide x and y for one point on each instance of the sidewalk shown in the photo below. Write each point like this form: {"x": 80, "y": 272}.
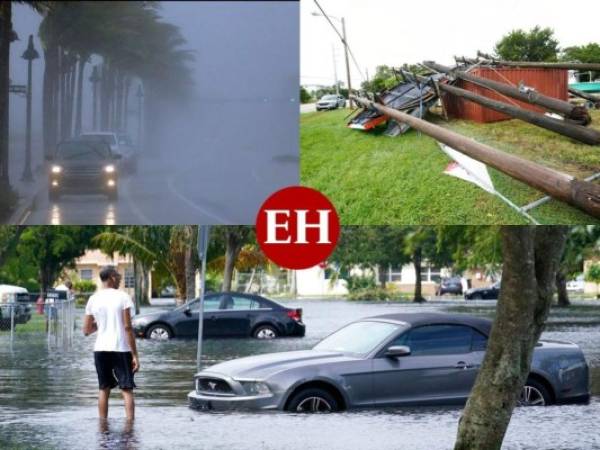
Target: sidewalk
{"x": 27, "y": 191}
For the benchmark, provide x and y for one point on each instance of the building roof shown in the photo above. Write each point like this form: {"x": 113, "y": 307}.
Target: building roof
{"x": 433, "y": 318}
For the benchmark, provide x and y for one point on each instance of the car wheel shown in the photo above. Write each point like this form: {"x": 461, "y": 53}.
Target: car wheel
{"x": 534, "y": 393}
{"x": 159, "y": 332}
{"x": 313, "y": 400}
{"x": 265, "y": 332}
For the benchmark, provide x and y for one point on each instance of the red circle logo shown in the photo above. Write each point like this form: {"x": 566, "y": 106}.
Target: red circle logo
{"x": 297, "y": 227}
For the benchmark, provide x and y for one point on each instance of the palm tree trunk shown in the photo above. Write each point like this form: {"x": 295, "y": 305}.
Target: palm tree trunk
{"x": 561, "y": 289}
{"x": 79, "y": 111}
{"x": 231, "y": 253}
{"x": 72, "y": 84}
{"x": 141, "y": 285}
{"x": 50, "y": 98}
{"x": 417, "y": 263}
{"x": 118, "y": 101}
{"x": 5, "y": 37}
{"x": 126, "y": 102}
{"x": 104, "y": 97}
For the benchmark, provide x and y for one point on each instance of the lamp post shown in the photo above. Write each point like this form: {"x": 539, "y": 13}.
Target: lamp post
{"x": 29, "y": 55}
{"x": 140, "y": 96}
{"x": 203, "y": 240}
{"x": 345, "y": 42}
{"x": 95, "y": 79}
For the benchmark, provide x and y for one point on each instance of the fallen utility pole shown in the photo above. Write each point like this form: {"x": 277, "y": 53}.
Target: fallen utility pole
{"x": 564, "y": 65}
{"x": 573, "y": 112}
{"x": 584, "y": 95}
{"x": 574, "y": 131}
{"x": 580, "y": 194}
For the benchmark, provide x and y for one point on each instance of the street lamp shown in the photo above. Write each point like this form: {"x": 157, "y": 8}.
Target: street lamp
{"x": 29, "y": 55}
{"x": 95, "y": 79}
{"x": 140, "y": 96}
{"x": 345, "y": 42}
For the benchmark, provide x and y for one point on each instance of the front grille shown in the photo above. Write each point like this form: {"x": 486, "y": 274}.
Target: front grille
{"x": 213, "y": 386}
{"x": 83, "y": 171}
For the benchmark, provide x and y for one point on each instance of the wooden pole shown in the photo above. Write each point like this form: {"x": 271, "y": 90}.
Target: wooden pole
{"x": 580, "y": 194}
{"x": 549, "y": 65}
{"x": 577, "y": 132}
{"x": 573, "y": 112}
{"x": 586, "y": 96}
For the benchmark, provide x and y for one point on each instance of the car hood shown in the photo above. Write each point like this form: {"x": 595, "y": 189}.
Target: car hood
{"x": 264, "y": 366}
{"x": 79, "y": 163}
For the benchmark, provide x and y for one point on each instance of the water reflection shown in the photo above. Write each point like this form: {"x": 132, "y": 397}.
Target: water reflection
{"x": 113, "y": 436}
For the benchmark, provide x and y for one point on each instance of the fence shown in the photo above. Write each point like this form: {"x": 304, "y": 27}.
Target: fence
{"x": 259, "y": 282}
{"x": 52, "y": 314}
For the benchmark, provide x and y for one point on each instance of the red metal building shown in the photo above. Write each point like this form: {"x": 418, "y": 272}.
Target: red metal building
{"x": 551, "y": 82}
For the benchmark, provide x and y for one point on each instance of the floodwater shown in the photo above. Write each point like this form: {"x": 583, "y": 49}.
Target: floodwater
{"x": 48, "y": 398}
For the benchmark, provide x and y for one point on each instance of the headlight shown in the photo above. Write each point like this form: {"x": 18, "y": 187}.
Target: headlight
{"x": 255, "y": 388}
{"x": 109, "y": 169}
{"x": 56, "y": 169}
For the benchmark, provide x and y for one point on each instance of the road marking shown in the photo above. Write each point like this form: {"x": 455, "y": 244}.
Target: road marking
{"x": 25, "y": 217}
{"x": 194, "y": 205}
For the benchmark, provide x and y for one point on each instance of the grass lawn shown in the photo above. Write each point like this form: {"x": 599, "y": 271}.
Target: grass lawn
{"x": 374, "y": 179}
{"x": 36, "y": 324}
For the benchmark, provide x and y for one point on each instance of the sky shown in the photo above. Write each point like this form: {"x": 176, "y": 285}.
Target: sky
{"x": 394, "y": 32}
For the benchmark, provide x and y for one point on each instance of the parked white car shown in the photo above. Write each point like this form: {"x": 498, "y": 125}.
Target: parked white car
{"x": 18, "y": 298}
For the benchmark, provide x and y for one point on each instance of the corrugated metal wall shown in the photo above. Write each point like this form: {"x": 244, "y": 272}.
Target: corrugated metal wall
{"x": 551, "y": 82}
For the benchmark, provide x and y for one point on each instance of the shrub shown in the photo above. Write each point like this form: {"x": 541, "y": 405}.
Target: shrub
{"x": 360, "y": 283}
{"x": 84, "y": 286}
{"x": 377, "y": 294}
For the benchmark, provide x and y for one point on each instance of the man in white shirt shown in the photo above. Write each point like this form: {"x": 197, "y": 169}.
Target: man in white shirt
{"x": 108, "y": 312}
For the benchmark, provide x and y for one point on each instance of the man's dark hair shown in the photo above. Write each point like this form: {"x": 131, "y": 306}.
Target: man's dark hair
{"x": 68, "y": 284}
{"x": 107, "y": 272}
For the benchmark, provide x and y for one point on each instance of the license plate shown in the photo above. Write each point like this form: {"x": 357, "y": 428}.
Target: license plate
{"x": 204, "y": 406}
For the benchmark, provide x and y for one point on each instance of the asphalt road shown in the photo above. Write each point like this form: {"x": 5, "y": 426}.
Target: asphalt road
{"x": 223, "y": 179}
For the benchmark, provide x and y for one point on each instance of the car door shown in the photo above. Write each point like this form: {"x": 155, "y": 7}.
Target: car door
{"x": 186, "y": 324}
{"x": 235, "y": 316}
{"x": 441, "y": 368}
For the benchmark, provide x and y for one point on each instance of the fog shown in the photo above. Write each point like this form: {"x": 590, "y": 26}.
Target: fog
{"x": 210, "y": 156}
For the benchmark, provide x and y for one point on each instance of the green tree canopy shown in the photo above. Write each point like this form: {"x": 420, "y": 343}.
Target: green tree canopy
{"x": 537, "y": 44}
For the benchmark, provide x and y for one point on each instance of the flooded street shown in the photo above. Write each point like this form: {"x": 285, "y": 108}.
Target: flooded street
{"x": 48, "y": 398}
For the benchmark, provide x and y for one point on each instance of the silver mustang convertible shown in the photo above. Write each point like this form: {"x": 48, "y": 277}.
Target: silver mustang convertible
{"x": 390, "y": 360}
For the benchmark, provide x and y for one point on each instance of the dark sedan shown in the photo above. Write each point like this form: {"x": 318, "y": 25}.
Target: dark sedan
{"x": 80, "y": 166}
{"x": 486, "y": 293}
{"x": 451, "y": 286}
{"x": 390, "y": 360}
{"x": 225, "y": 315}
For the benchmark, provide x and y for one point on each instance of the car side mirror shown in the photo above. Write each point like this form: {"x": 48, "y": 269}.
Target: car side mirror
{"x": 187, "y": 311}
{"x": 396, "y": 351}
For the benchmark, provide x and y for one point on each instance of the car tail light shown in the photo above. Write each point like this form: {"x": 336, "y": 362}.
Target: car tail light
{"x": 295, "y": 314}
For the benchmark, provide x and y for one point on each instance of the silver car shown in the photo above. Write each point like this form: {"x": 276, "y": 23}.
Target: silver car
{"x": 331, "y": 102}
{"x": 390, "y": 360}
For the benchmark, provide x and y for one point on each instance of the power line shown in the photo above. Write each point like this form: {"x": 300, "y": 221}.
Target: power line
{"x": 341, "y": 38}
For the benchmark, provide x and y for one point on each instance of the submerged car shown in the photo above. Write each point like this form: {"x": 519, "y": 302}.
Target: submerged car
{"x": 226, "y": 314}
{"x": 486, "y": 293}
{"x": 331, "y": 102}
{"x": 389, "y": 360}
{"x": 81, "y": 167}
{"x": 14, "y": 301}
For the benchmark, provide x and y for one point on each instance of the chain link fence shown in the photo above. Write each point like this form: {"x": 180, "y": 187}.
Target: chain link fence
{"x": 52, "y": 314}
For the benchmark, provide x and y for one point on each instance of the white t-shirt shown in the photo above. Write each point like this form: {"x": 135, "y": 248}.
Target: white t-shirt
{"x": 107, "y": 306}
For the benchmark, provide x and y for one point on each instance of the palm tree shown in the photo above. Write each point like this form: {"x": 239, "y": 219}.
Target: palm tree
{"x": 7, "y": 35}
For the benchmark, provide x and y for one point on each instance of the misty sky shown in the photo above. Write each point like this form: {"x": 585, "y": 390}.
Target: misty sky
{"x": 393, "y": 32}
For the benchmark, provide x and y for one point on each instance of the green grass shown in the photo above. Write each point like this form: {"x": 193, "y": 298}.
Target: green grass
{"x": 374, "y": 179}
{"x": 35, "y": 325}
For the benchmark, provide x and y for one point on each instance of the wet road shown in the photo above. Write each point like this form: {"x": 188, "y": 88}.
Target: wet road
{"x": 47, "y": 399}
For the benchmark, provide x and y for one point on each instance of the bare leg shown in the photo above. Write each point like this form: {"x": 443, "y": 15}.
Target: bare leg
{"x": 103, "y": 403}
{"x": 129, "y": 403}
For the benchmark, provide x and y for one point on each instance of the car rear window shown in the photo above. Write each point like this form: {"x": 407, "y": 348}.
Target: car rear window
{"x": 106, "y": 138}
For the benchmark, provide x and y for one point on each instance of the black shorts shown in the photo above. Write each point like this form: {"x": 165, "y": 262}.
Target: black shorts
{"x": 114, "y": 369}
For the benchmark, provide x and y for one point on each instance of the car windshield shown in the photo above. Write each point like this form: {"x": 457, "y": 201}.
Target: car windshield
{"x": 82, "y": 150}
{"x": 359, "y": 337}
{"x": 106, "y": 138}
{"x": 329, "y": 97}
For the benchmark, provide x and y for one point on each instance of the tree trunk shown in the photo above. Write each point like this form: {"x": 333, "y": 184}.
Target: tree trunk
{"x": 230, "y": 258}
{"x": 382, "y": 275}
{"x": 190, "y": 270}
{"x": 79, "y": 95}
{"x": 5, "y": 37}
{"x": 104, "y": 97}
{"x": 126, "y": 103}
{"x": 561, "y": 289}
{"x": 417, "y": 263}
{"x": 531, "y": 258}
{"x": 72, "y": 74}
{"x": 141, "y": 285}
{"x": 50, "y": 99}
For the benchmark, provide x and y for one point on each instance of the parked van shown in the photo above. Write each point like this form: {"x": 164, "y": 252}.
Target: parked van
{"x": 18, "y": 297}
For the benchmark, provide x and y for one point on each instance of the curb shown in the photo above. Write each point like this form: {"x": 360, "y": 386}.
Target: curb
{"x": 25, "y": 205}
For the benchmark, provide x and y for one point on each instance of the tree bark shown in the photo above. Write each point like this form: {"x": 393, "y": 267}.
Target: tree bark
{"x": 382, "y": 275}
{"x": 531, "y": 259}
{"x": 230, "y": 258}
{"x": 142, "y": 297}
{"x": 5, "y": 38}
{"x": 190, "y": 268}
{"x": 561, "y": 289}
{"x": 417, "y": 263}
{"x": 50, "y": 99}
